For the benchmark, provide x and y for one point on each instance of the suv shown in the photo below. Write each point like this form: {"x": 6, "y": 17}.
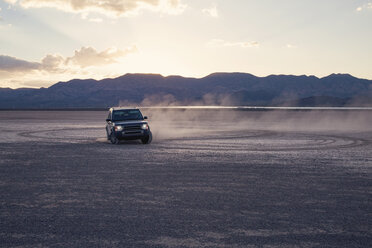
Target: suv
{"x": 127, "y": 124}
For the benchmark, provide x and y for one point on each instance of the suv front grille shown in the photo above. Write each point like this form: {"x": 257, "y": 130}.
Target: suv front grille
{"x": 132, "y": 129}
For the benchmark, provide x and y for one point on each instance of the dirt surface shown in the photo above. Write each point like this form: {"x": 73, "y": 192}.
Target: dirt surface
{"x": 242, "y": 179}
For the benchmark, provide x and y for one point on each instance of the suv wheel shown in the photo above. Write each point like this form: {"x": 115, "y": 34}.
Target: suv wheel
{"x": 114, "y": 140}
{"x": 147, "y": 139}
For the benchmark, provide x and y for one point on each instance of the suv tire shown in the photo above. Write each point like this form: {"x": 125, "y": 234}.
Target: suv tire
{"x": 114, "y": 140}
{"x": 147, "y": 139}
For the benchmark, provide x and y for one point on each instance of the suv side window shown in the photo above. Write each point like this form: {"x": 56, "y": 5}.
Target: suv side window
{"x": 109, "y": 116}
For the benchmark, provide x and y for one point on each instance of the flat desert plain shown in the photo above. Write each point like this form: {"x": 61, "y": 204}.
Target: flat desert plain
{"x": 210, "y": 178}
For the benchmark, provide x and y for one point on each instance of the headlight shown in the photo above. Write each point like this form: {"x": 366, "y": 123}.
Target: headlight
{"x": 118, "y": 128}
{"x": 145, "y": 126}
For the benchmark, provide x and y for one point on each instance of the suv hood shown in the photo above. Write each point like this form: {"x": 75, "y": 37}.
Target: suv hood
{"x": 129, "y": 122}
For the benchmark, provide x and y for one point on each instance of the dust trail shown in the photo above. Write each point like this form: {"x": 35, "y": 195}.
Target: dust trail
{"x": 192, "y": 122}
{"x": 214, "y": 114}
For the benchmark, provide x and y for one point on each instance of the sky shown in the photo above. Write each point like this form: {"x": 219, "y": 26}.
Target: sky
{"x": 43, "y": 42}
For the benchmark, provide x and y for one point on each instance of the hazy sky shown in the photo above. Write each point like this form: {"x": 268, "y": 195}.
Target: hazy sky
{"x": 46, "y": 41}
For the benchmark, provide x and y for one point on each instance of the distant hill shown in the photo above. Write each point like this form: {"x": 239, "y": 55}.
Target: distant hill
{"x": 215, "y": 89}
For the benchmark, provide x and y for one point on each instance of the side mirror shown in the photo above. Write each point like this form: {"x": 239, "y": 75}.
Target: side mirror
{"x": 145, "y": 118}
{"x": 108, "y": 120}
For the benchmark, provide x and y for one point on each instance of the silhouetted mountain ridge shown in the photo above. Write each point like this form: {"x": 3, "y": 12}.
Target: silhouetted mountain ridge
{"x": 216, "y": 88}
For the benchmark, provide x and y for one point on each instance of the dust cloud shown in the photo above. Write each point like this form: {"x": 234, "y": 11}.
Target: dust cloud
{"x": 215, "y": 114}
{"x": 168, "y": 123}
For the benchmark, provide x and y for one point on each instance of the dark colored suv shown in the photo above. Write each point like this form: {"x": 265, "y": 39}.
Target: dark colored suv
{"x": 127, "y": 124}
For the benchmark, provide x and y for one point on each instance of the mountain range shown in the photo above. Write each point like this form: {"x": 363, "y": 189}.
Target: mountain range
{"x": 215, "y": 89}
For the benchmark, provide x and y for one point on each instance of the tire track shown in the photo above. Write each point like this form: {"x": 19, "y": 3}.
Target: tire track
{"x": 239, "y": 141}
{"x": 261, "y": 143}
{"x": 53, "y": 134}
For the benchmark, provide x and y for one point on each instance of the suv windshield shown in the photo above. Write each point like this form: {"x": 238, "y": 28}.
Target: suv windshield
{"x": 126, "y": 115}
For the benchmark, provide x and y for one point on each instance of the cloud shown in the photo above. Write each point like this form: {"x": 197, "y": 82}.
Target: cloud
{"x": 241, "y": 44}
{"x": 212, "y": 12}
{"x": 12, "y": 64}
{"x": 112, "y": 8}
{"x": 290, "y": 46}
{"x": 86, "y": 62}
{"x": 53, "y": 63}
{"x": 364, "y": 7}
{"x": 88, "y": 56}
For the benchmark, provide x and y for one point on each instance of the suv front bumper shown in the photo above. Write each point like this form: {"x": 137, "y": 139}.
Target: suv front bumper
{"x": 122, "y": 135}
